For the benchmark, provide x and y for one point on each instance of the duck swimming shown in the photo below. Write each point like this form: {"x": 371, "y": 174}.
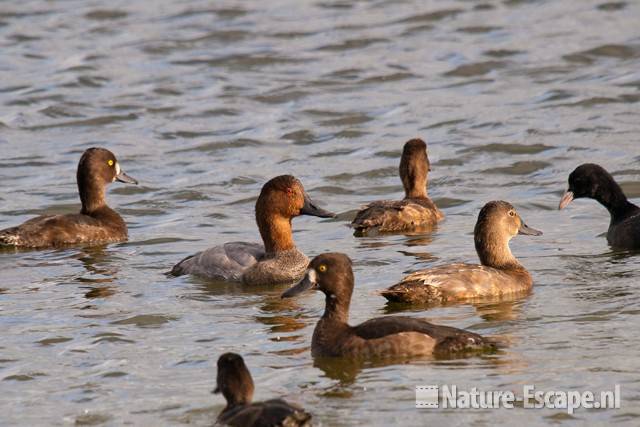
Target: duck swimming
{"x": 236, "y": 385}
{"x": 593, "y": 181}
{"x": 382, "y": 337}
{"x": 500, "y": 274}
{"x": 275, "y": 261}
{"x": 96, "y": 222}
{"x": 416, "y": 211}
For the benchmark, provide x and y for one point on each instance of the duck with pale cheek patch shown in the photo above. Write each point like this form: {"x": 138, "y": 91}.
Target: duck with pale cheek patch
{"x": 96, "y": 223}
{"x": 499, "y": 276}
{"x": 379, "y": 338}
{"x": 236, "y": 385}
{"x": 277, "y": 260}
{"x": 416, "y": 212}
{"x": 593, "y": 181}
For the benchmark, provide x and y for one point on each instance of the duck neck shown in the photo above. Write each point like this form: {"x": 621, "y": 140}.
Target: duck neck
{"x": 91, "y": 195}
{"x": 336, "y": 309}
{"x": 416, "y": 192}
{"x": 614, "y": 199}
{"x": 494, "y": 251}
{"x": 276, "y": 233}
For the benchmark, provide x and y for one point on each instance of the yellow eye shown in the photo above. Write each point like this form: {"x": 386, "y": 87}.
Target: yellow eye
{"x": 322, "y": 268}
{"x": 110, "y": 162}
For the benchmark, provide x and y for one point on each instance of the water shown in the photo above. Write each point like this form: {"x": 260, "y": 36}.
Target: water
{"x": 205, "y": 101}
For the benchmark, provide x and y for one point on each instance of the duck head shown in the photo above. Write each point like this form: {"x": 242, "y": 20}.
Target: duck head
{"x": 593, "y": 181}
{"x": 98, "y": 167}
{"x": 332, "y": 274}
{"x": 234, "y": 380}
{"x": 281, "y": 199}
{"x": 414, "y": 168}
{"x": 498, "y": 222}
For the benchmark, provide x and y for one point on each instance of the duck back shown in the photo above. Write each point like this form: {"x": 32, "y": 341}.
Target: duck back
{"x": 398, "y": 216}
{"x": 270, "y": 413}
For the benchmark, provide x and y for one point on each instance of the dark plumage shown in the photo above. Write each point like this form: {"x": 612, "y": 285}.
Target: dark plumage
{"x": 500, "y": 274}
{"x": 383, "y": 337}
{"x": 236, "y": 385}
{"x": 96, "y": 222}
{"x": 416, "y": 212}
{"x": 593, "y": 181}
{"x": 275, "y": 261}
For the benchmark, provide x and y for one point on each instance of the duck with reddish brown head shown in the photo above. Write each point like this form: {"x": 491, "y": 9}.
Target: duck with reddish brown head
{"x": 96, "y": 223}
{"x": 379, "y": 338}
{"x": 593, "y": 181}
{"x": 275, "y": 261}
{"x": 416, "y": 212}
{"x": 500, "y": 275}
{"x": 236, "y": 385}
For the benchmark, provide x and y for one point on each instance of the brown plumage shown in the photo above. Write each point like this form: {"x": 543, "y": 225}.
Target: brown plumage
{"x": 236, "y": 385}
{"x": 500, "y": 274}
{"x": 593, "y": 181}
{"x": 275, "y": 261}
{"x": 96, "y": 222}
{"x": 383, "y": 337}
{"x": 416, "y": 212}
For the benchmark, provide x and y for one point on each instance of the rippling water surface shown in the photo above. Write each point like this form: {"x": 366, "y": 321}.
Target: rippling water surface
{"x": 205, "y": 101}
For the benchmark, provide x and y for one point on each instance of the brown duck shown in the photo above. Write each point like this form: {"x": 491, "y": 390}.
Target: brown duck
{"x": 416, "y": 211}
{"x": 382, "y": 337}
{"x": 96, "y": 223}
{"x": 500, "y": 274}
{"x": 236, "y": 385}
{"x": 276, "y": 260}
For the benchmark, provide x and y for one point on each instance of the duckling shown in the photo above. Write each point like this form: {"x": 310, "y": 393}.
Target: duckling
{"x": 277, "y": 260}
{"x": 500, "y": 274}
{"x": 416, "y": 211}
{"x": 236, "y": 385}
{"x": 593, "y": 181}
{"x": 96, "y": 223}
{"x": 378, "y": 338}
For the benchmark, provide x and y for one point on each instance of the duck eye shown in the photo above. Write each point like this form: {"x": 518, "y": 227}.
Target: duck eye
{"x": 322, "y": 268}
{"x": 110, "y": 162}
{"x": 512, "y": 213}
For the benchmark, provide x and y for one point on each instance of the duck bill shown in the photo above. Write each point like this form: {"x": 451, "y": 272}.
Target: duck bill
{"x": 123, "y": 177}
{"x": 310, "y": 208}
{"x": 308, "y": 282}
{"x": 528, "y": 231}
{"x": 566, "y": 199}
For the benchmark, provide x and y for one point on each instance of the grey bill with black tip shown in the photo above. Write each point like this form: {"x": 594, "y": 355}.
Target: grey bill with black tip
{"x": 123, "y": 177}
{"x": 566, "y": 199}
{"x": 528, "y": 231}
{"x": 308, "y": 282}
{"x": 310, "y": 208}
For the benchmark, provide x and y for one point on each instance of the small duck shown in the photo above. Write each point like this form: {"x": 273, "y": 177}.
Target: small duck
{"x": 416, "y": 211}
{"x": 236, "y": 385}
{"x": 500, "y": 274}
{"x": 276, "y": 261}
{"x": 379, "y": 338}
{"x": 96, "y": 223}
{"x": 593, "y": 181}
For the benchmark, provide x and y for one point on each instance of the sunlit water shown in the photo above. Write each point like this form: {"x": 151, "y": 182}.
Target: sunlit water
{"x": 205, "y": 101}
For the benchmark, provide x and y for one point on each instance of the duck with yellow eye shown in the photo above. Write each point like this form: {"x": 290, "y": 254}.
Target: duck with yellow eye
{"x": 96, "y": 223}
{"x": 500, "y": 275}
{"x": 379, "y": 338}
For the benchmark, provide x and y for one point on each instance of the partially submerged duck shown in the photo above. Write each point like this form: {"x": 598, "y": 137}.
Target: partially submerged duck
{"x": 382, "y": 337}
{"x": 500, "y": 274}
{"x": 416, "y": 211}
{"x": 593, "y": 181}
{"x": 236, "y": 385}
{"x": 96, "y": 223}
{"x": 275, "y": 261}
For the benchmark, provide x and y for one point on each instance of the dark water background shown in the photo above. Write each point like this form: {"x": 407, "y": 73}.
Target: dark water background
{"x": 205, "y": 101}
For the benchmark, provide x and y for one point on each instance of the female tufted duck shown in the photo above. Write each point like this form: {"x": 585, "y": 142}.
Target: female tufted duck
{"x": 416, "y": 211}
{"x": 382, "y": 337}
{"x": 500, "y": 274}
{"x": 277, "y": 260}
{"x": 593, "y": 181}
{"x": 236, "y": 385}
{"x": 96, "y": 222}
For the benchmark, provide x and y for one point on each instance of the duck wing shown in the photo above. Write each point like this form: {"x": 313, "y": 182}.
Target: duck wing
{"x": 225, "y": 262}
{"x": 271, "y": 413}
{"x": 400, "y": 215}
